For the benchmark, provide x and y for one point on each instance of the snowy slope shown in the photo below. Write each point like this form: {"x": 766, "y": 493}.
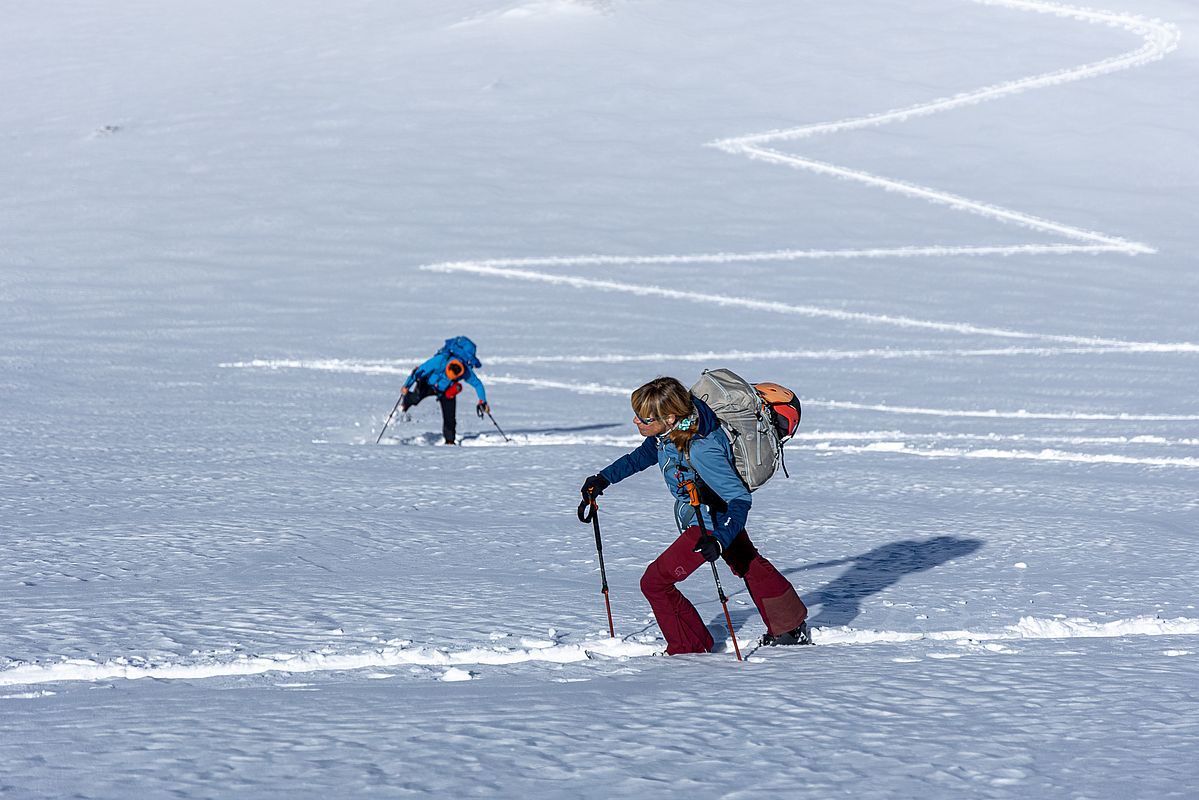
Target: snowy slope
{"x": 963, "y": 231}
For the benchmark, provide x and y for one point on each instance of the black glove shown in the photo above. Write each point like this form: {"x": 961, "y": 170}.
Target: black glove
{"x": 482, "y": 408}
{"x": 594, "y": 486}
{"x": 709, "y": 547}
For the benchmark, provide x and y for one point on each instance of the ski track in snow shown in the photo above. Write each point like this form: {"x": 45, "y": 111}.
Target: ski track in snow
{"x": 866, "y": 443}
{"x": 870, "y": 444}
{"x": 401, "y": 367}
{"x": 399, "y": 653}
{"x": 1158, "y": 39}
{"x": 491, "y": 268}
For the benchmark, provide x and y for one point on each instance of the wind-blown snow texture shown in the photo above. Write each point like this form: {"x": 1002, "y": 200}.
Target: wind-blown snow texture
{"x": 964, "y": 231}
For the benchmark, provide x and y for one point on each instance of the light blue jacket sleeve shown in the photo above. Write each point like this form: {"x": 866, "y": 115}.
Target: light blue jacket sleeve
{"x": 631, "y": 464}
{"x": 474, "y": 381}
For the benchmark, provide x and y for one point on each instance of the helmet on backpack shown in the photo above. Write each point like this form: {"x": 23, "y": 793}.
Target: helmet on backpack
{"x": 454, "y": 369}
{"x": 784, "y": 408}
{"x": 756, "y": 418}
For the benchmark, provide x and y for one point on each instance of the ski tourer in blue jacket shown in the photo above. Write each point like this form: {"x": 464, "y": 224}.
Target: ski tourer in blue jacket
{"x": 684, "y": 439}
{"x": 441, "y": 376}
{"x": 435, "y": 372}
{"x": 711, "y": 456}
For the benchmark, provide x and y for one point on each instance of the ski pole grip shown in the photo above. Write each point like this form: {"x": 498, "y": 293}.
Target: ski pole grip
{"x": 587, "y": 511}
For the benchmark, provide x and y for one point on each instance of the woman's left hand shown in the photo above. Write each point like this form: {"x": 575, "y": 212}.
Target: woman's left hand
{"x": 709, "y": 547}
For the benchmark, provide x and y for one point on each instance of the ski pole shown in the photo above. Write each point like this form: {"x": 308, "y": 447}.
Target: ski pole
{"x": 497, "y": 427}
{"x": 589, "y": 512}
{"x": 693, "y": 492}
{"x": 388, "y": 420}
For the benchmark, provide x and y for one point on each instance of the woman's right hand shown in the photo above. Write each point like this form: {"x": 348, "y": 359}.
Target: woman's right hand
{"x": 593, "y": 487}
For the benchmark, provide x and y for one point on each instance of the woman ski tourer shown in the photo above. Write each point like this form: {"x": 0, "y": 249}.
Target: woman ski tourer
{"x": 442, "y": 376}
{"x": 685, "y": 440}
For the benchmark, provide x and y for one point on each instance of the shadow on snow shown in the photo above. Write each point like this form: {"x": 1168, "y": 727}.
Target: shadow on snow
{"x": 840, "y": 600}
{"x": 434, "y": 437}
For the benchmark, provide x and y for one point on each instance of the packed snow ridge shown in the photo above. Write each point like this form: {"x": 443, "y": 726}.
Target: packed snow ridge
{"x": 398, "y": 653}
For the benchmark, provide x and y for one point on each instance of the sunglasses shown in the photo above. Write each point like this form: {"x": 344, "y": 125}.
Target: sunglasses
{"x": 645, "y": 420}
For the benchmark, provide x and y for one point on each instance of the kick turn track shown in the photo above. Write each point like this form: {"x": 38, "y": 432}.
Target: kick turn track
{"x": 1157, "y": 40}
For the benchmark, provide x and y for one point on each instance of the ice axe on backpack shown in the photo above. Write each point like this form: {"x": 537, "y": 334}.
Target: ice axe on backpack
{"x": 589, "y": 512}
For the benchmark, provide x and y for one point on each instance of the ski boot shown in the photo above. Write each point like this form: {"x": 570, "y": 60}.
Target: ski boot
{"x": 800, "y": 635}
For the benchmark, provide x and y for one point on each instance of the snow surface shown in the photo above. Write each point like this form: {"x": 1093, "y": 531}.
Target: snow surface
{"x": 230, "y": 229}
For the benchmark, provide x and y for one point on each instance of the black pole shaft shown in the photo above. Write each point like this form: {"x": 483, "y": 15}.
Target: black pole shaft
{"x": 497, "y": 427}
{"x": 589, "y": 512}
{"x": 599, "y": 549}
{"x": 724, "y": 601}
{"x": 379, "y": 438}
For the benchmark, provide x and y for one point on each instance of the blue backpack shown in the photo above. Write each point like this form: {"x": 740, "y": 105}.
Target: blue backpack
{"x": 463, "y": 349}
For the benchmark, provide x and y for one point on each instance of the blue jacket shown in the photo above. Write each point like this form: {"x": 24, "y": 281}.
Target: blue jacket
{"x": 710, "y": 456}
{"x": 433, "y": 373}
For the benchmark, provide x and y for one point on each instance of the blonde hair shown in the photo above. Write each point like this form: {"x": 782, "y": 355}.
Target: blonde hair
{"x": 665, "y": 397}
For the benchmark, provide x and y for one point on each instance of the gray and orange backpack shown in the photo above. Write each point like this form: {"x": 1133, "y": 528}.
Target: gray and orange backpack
{"x": 758, "y": 419}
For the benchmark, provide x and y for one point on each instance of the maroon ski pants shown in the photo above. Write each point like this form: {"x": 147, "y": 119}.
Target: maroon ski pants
{"x": 685, "y": 632}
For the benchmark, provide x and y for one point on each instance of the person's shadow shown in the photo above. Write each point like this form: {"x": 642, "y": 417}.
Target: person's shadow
{"x": 840, "y": 600}
{"x": 598, "y": 426}
{"x": 434, "y": 437}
